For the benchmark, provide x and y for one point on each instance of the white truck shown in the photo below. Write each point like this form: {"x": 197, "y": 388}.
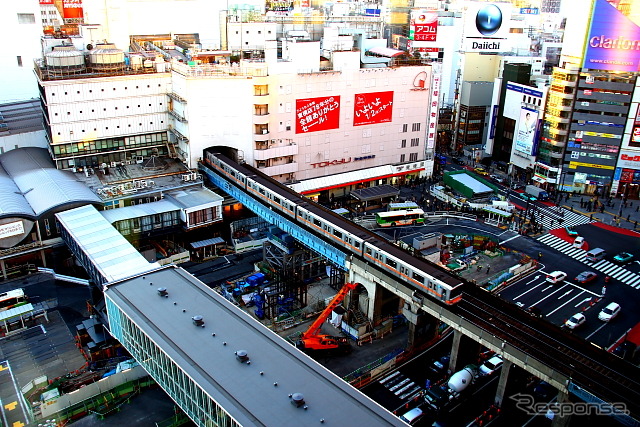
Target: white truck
{"x": 536, "y": 192}
{"x": 462, "y": 379}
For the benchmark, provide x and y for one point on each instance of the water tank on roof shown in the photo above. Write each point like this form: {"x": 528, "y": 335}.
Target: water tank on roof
{"x": 106, "y": 57}
{"x": 64, "y": 56}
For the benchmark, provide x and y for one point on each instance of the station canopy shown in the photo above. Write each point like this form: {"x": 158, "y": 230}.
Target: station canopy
{"x": 375, "y": 193}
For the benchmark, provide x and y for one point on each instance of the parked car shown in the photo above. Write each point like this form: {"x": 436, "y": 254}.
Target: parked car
{"x": 586, "y": 277}
{"x": 623, "y": 258}
{"x": 497, "y": 178}
{"x": 609, "y": 312}
{"x": 575, "y": 321}
{"x": 440, "y": 366}
{"x": 556, "y": 276}
{"x": 626, "y": 350}
{"x": 517, "y": 186}
{"x": 457, "y": 160}
{"x": 481, "y": 171}
{"x": 491, "y": 365}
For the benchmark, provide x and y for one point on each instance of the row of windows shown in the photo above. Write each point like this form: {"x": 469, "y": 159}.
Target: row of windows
{"x": 413, "y": 157}
{"x": 107, "y": 128}
{"x": 414, "y": 127}
{"x": 204, "y": 216}
{"x": 102, "y": 90}
{"x": 103, "y": 109}
{"x": 148, "y": 223}
{"x": 192, "y": 399}
{"x": 101, "y": 145}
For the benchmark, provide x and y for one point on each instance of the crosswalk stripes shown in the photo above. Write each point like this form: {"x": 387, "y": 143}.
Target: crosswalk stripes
{"x": 615, "y": 271}
{"x": 550, "y": 218}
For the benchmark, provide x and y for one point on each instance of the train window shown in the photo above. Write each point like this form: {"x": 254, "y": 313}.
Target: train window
{"x": 261, "y": 190}
{"x": 368, "y": 250}
{"x": 317, "y": 222}
{"x": 337, "y": 234}
{"x": 403, "y": 270}
{"x": 357, "y": 245}
{"x": 418, "y": 277}
{"x": 376, "y": 255}
{"x": 391, "y": 263}
{"x": 276, "y": 199}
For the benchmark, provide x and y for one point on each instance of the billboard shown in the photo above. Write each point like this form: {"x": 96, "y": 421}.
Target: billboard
{"x": 11, "y": 229}
{"x": 613, "y": 43}
{"x": 486, "y": 27}
{"x": 315, "y": 114}
{"x": 72, "y": 11}
{"x": 423, "y": 25}
{"x": 526, "y": 134}
{"x": 371, "y": 108}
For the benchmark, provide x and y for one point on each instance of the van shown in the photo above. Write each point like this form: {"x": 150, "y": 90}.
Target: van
{"x": 596, "y": 254}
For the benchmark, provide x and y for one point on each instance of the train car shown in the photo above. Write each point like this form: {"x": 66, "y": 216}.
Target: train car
{"x": 431, "y": 280}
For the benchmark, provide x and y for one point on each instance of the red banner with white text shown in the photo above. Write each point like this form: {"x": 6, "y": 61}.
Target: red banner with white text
{"x": 315, "y": 114}
{"x": 370, "y": 108}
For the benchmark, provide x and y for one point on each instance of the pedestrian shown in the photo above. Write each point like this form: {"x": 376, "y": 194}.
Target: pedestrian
{"x": 539, "y": 256}
{"x": 628, "y": 215}
{"x": 618, "y": 222}
{"x": 637, "y": 207}
{"x": 488, "y": 268}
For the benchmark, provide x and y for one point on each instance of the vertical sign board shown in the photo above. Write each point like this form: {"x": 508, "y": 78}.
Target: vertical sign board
{"x": 423, "y": 25}
{"x": 525, "y": 136}
{"x": 372, "y": 108}
{"x": 315, "y": 114}
{"x": 432, "y": 123}
{"x": 613, "y": 43}
{"x": 11, "y": 229}
{"x": 72, "y": 11}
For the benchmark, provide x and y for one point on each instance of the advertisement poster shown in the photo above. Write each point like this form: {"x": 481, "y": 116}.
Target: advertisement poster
{"x": 525, "y": 136}
{"x": 613, "y": 40}
{"x": 314, "y": 114}
{"x": 11, "y": 229}
{"x": 423, "y": 25}
{"x": 370, "y": 108}
{"x": 72, "y": 11}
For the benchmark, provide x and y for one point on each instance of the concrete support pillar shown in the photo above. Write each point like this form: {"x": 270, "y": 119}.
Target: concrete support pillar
{"x": 44, "y": 259}
{"x": 464, "y": 351}
{"x": 502, "y": 383}
{"x": 422, "y": 327}
{"x": 4, "y": 269}
{"x": 561, "y": 420}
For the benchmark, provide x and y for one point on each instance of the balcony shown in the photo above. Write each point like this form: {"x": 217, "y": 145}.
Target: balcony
{"x": 261, "y": 119}
{"x": 275, "y": 151}
{"x": 261, "y": 137}
{"x": 280, "y": 169}
{"x": 177, "y": 116}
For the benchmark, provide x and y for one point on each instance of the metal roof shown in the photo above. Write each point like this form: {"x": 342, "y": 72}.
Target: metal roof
{"x": 138, "y": 211}
{"x": 193, "y": 197}
{"x": 207, "y": 242}
{"x": 12, "y": 202}
{"x": 207, "y": 355}
{"x": 375, "y": 193}
{"x": 42, "y": 185}
{"x": 111, "y": 254}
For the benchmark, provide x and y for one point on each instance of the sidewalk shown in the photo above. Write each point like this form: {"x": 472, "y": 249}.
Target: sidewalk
{"x": 611, "y": 214}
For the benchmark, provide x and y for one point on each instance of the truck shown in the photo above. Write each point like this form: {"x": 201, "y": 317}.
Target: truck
{"x": 462, "y": 379}
{"x": 536, "y": 192}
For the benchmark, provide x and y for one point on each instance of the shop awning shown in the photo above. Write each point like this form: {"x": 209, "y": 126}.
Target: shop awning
{"x": 208, "y": 242}
{"x": 375, "y": 193}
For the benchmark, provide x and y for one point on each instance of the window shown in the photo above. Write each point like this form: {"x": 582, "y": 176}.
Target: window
{"x": 415, "y": 127}
{"x": 415, "y": 142}
{"x": 413, "y": 157}
{"x": 405, "y": 127}
{"x": 403, "y": 144}
{"x": 402, "y": 158}
{"x": 26, "y": 18}
{"x": 19, "y": 58}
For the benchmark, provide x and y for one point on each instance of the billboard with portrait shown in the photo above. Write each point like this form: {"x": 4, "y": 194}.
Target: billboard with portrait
{"x": 614, "y": 40}
{"x": 371, "y": 108}
{"x": 315, "y": 114}
{"x": 526, "y": 135}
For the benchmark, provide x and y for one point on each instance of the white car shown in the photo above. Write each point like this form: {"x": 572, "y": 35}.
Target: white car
{"x": 609, "y": 312}
{"x": 491, "y": 365}
{"x": 579, "y": 242}
{"x": 575, "y": 321}
{"x": 556, "y": 277}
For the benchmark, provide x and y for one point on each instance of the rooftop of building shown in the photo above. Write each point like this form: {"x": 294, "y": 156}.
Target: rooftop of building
{"x": 258, "y": 393}
{"x": 21, "y": 117}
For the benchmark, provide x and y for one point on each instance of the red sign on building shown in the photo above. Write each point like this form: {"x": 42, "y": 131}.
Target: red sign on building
{"x": 423, "y": 26}
{"x": 46, "y": 1}
{"x": 72, "y": 10}
{"x": 314, "y": 114}
{"x": 370, "y": 108}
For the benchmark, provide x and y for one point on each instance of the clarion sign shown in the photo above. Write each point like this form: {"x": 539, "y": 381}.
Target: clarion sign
{"x": 617, "y": 43}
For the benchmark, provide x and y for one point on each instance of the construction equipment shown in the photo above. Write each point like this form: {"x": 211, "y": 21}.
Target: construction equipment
{"x": 314, "y": 343}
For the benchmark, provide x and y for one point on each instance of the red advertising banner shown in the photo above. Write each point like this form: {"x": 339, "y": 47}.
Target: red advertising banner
{"x": 423, "y": 26}
{"x": 72, "y": 9}
{"x": 46, "y": 1}
{"x": 314, "y": 114}
{"x": 370, "y": 108}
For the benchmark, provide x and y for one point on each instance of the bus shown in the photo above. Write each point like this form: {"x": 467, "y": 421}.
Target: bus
{"x": 401, "y": 217}
{"x": 402, "y": 206}
{"x": 12, "y": 299}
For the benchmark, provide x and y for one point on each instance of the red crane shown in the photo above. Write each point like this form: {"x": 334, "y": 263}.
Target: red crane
{"x": 311, "y": 341}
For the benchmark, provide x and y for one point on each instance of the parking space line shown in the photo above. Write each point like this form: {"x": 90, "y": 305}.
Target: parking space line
{"x": 594, "y": 332}
{"x": 538, "y": 302}
{"x": 559, "y": 307}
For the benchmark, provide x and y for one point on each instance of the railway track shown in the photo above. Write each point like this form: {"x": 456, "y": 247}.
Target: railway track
{"x": 589, "y": 367}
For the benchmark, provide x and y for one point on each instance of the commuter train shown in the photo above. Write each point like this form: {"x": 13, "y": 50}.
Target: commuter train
{"x": 419, "y": 274}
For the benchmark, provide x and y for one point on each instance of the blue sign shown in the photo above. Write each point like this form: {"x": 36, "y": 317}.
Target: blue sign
{"x": 529, "y": 11}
